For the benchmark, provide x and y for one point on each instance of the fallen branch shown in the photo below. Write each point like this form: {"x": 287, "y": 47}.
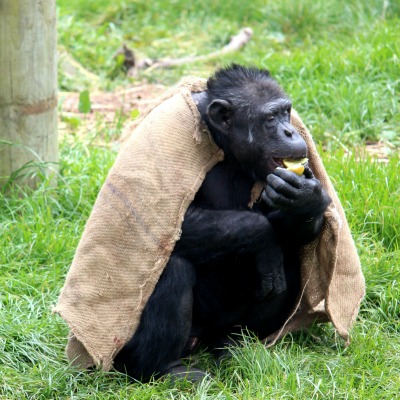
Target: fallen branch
{"x": 235, "y": 44}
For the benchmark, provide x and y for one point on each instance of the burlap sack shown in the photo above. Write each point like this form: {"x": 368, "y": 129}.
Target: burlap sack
{"x": 136, "y": 221}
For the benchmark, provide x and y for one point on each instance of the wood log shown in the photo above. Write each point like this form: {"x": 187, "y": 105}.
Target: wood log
{"x": 28, "y": 90}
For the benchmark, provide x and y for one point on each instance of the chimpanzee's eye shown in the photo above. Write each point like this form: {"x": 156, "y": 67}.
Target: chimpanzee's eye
{"x": 270, "y": 117}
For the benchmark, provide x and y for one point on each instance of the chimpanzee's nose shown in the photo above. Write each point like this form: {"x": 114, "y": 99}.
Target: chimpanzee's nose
{"x": 289, "y": 130}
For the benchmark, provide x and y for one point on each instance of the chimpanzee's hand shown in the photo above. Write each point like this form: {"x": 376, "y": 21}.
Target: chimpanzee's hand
{"x": 301, "y": 196}
{"x": 270, "y": 267}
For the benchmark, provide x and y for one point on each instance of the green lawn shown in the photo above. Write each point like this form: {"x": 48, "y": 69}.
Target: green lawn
{"x": 339, "y": 62}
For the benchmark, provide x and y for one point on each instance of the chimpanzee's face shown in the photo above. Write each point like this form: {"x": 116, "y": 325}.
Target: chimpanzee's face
{"x": 261, "y": 136}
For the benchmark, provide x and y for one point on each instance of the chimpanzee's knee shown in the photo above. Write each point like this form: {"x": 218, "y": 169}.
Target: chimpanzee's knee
{"x": 165, "y": 324}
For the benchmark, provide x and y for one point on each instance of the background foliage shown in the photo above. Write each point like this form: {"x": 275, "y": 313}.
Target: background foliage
{"x": 339, "y": 61}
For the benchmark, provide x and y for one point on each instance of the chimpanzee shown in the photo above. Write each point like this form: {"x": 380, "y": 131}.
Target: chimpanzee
{"x": 233, "y": 267}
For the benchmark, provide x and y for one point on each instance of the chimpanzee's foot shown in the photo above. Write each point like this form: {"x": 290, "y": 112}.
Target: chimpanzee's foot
{"x": 177, "y": 370}
{"x": 222, "y": 347}
{"x": 191, "y": 345}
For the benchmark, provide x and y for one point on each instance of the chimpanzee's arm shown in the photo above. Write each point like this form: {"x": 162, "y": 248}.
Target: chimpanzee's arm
{"x": 209, "y": 234}
{"x": 295, "y": 230}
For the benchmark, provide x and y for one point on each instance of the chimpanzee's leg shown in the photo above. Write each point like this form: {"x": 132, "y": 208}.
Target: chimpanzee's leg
{"x": 157, "y": 345}
{"x": 225, "y": 302}
{"x": 265, "y": 316}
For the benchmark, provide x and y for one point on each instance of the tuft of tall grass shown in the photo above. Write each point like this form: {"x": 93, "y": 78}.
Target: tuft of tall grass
{"x": 370, "y": 192}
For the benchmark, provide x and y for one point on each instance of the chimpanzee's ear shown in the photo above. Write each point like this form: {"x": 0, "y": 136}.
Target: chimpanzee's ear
{"x": 220, "y": 113}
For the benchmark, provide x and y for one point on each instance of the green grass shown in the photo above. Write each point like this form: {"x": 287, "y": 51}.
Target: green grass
{"x": 338, "y": 60}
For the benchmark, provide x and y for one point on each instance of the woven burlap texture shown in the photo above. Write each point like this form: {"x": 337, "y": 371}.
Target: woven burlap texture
{"x": 137, "y": 219}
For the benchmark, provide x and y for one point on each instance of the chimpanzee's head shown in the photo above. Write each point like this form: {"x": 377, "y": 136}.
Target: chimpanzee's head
{"x": 248, "y": 115}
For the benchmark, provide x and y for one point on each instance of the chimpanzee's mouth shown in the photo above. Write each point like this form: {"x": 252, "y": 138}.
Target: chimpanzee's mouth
{"x": 279, "y": 162}
{"x": 287, "y": 162}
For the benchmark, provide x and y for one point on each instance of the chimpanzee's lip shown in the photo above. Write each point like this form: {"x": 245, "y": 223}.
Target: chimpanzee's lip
{"x": 279, "y": 162}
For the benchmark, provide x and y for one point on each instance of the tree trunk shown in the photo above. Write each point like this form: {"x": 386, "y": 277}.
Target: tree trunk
{"x": 28, "y": 90}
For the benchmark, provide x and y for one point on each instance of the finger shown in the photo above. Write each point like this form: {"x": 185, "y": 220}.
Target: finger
{"x": 282, "y": 186}
{"x": 289, "y": 176}
{"x": 267, "y": 200}
{"x": 308, "y": 173}
{"x": 275, "y": 199}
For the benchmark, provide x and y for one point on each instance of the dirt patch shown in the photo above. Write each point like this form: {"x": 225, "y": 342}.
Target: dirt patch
{"x": 109, "y": 110}
{"x": 380, "y": 151}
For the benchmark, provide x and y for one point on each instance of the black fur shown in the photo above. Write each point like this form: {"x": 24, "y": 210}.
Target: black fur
{"x": 233, "y": 266}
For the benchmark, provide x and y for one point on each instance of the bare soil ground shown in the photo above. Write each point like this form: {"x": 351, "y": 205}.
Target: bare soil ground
{"x": 108, "y": 109}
